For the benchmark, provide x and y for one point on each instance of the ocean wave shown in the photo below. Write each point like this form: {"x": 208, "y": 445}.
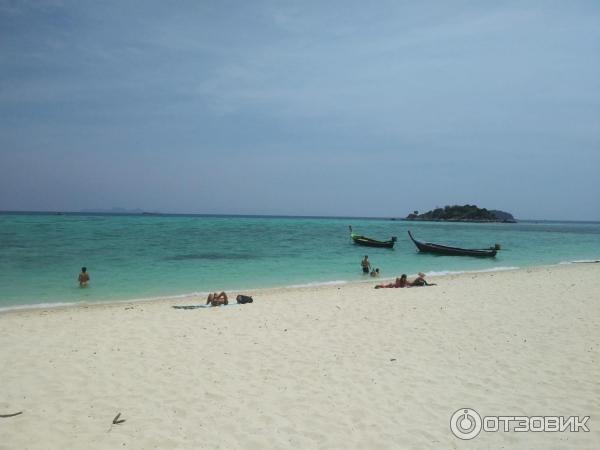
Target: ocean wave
{"x": 440, "y": 273}
{"x": 581, "y": 261}
{"x": 188, "y": 295}
{"x": 40, "y": 306}
{"x": 30, "y": 306}
{"x": 316, "y": 284}
{"x": 210, "y": 257}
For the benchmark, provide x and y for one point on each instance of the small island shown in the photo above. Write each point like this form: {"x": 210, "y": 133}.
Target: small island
{"x": 464, "y": 213}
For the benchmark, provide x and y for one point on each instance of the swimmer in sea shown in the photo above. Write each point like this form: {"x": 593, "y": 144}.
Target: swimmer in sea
{"x": 84, "y": 277}
{"x": 365, "y": 264}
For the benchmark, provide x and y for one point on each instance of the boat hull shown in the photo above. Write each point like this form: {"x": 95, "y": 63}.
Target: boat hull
{"x": 428, "y": 247}
{"x": 368, "y": 242}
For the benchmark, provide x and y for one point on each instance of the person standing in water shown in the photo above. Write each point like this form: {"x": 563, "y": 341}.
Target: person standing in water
{"x": 84, "y": 277}
{"x": 365, "y": 264}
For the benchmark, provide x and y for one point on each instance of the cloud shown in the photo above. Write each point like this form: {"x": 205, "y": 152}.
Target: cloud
{"x": 325, "y": 90}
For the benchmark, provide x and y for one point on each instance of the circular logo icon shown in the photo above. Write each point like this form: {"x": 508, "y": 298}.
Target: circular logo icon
{"x": 465, "y": 423}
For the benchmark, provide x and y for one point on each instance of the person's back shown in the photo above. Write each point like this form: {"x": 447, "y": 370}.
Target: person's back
{"x": 217, "y": 299}
{"x": 402, "y": 281}
{"x": 84, "y": 277}
{"x": 365, "y": 264}
{"x": 420, "y": 281}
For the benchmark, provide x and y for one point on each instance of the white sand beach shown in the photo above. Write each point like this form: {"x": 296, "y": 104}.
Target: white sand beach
{"x": 327, "y": 367}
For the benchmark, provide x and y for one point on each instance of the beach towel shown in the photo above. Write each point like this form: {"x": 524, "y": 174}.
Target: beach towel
{"x": 199, "y": 306}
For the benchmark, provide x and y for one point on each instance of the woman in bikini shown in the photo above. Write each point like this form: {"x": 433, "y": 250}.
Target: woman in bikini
{"x": 217, "y": 299}
{"x": 399, "y": 283}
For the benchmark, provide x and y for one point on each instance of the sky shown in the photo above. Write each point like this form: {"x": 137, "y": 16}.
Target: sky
{"x": 337, "y": 108}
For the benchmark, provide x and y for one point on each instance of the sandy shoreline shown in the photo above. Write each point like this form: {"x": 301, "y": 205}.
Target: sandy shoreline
{"x": 335, "y": 366}
{"x": 201, "y": 296}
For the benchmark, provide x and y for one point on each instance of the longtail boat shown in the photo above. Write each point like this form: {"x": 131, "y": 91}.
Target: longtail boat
{"x": 368, "y": 242}
{"x": 428, "y": 247}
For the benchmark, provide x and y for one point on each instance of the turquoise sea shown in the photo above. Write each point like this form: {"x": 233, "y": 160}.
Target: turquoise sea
{"x": 146, "y": 256}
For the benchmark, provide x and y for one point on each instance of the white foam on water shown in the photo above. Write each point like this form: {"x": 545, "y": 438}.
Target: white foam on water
{"x": 39, "y": 306}
{"x": 316, "y": 284}
{"x": 432, "y": 273}
{"x": 581, "y": 261}
{"x": 161, "y": 297}
{"x": 101, "y": 302}
{"x": 440, "y": 273}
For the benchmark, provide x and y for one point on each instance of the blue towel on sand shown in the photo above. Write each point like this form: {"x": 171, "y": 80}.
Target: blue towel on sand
{"x": 200, "y": 306}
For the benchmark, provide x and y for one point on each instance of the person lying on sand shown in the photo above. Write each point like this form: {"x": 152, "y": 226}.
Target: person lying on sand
{"x": 420, "y": 281}
{"x": 217, "y": 299}
{"x": 399, "y": 283}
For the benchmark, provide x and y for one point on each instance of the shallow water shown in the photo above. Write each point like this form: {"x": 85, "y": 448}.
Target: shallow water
{"x": 150, "y": 256}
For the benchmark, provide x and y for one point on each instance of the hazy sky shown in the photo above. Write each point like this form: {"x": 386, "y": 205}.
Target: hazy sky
{"x": 307, "y": 108}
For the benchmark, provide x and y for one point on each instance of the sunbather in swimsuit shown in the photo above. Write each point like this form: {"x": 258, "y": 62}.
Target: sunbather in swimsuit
{"x": 217, "y": 299}
{"x": 399, "y": 283}
{"x": 420, "y": 281}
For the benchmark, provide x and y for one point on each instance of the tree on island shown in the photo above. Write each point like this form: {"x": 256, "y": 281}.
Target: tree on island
{"x": 464, "y": 213}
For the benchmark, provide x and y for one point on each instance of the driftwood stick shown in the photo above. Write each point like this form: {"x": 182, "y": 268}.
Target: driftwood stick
{"x": 115, "y": 421}
{"x": 4, "y": 416}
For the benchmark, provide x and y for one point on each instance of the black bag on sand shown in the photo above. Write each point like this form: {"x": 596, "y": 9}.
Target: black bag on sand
{"x": 244, "y": 299}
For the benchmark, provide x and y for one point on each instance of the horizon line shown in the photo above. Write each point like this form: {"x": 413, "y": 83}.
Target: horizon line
{"x": 155, "y": 213}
